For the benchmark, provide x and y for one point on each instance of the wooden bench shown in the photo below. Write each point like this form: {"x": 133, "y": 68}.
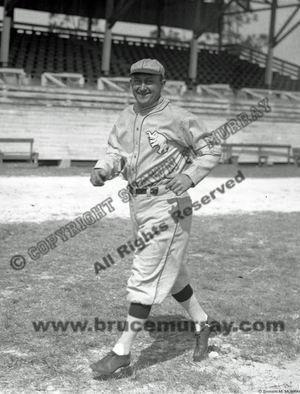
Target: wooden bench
{"x": 25, "y": 155}
{"x": 57, "y": 79}
{"x": 262, "y": 156}
{"x": 119, "y": 84}
{"x": 214, "y": 90}
{"x": 260, "y": 94}
{"x": 296, "y": 156}
{"x": 12, "y": 76}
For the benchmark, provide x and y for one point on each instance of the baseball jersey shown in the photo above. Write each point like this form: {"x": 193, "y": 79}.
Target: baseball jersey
{"x": 147, "y": 144}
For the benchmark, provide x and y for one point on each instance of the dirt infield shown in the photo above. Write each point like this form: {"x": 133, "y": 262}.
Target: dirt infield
{"x": 243, "y": 258}
{"x": 40, "y": 198}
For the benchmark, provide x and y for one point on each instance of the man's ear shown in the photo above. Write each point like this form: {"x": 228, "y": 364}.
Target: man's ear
{"x": 163, "y": 83}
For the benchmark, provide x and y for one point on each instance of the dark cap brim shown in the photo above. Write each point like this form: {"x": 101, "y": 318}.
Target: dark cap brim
{"x": 143, "y": 71}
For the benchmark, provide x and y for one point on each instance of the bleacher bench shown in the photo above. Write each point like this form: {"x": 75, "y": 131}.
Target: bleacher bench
{"x": 26, "y": 154}
{"x": 57, "y": 79}
{"x": 230, "y": 157}
{"x": 296, "y": 156}
{"x": 15, "y": 76}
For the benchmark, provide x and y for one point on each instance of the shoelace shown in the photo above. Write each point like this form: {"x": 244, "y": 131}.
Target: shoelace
{"x": 197, "y": 339}
{"x": 198, "y": 334}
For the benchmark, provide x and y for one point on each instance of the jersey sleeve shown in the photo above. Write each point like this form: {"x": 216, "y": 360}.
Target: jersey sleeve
{"x": 112, "y": 162}
{"x": 206, "y": 151}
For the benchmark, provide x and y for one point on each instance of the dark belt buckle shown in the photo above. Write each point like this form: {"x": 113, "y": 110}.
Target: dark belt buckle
{"x": 131, "y": 190}
{"x": 154, "y": 191}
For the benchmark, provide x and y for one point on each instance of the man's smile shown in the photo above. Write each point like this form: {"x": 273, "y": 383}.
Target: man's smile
{"x": 146, "y": 88}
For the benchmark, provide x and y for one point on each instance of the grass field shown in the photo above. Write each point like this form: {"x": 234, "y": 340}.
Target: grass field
{"x": 243, "y": 268}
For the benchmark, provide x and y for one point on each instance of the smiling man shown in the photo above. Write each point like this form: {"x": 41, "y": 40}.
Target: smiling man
{"x": 146, "y": 88}
{"x": 161, "y": 150}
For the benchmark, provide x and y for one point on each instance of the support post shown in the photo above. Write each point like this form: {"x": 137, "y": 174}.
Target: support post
{"x": 193, "y": 58}
{"x": 5, "y": 37}
{"x": 158, "y": 37}
{"x": 220, "y": 29}
{"x": 159, "y": 13}
{"x": 271, "y": 44}
{"x": 107, "y": 38}
{"x": 89, "y": 29}
{"x": 193, "y": 66}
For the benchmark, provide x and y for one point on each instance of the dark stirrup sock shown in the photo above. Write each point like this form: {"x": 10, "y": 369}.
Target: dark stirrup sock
{"x": 140, "y": 311}
{"x": 184, "y": 294}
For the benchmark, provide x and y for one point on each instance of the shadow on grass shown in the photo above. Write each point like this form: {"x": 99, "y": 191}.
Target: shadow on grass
{"x": 121, "y": 374}
{"x": 167, "y": 345}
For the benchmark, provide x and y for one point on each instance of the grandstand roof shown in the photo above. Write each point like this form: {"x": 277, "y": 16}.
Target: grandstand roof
{"x": 197, "y": 15}
{"x": 175, "y": 13}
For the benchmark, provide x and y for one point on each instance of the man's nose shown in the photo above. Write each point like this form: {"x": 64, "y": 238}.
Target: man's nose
{"x": 143, "y": 86}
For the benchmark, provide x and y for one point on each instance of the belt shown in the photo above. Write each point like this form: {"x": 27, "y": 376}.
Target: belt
{"x": 153, "y": 191}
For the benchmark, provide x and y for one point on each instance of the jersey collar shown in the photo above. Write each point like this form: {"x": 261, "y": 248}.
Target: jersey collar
{"x": 161, "y": 102}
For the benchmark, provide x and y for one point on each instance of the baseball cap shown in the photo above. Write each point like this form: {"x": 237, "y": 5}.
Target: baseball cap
{"x": 148, "y": 66}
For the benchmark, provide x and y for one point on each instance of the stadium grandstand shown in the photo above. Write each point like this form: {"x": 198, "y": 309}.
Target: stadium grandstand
{"x": 62, "y": 90}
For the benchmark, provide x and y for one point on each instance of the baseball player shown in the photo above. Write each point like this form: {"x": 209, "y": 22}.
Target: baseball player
{"x": 161, "y": 150}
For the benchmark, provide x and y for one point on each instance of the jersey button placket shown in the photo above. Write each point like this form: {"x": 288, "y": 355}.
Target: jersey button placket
{"x": 135, "y": 148}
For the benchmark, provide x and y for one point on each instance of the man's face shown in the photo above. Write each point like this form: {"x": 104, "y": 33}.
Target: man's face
{"x": 146, "y": 88}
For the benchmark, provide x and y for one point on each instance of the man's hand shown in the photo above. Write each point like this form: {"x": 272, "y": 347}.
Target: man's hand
{"x": 179, "y": 183}
{"x": 98, "y": 177}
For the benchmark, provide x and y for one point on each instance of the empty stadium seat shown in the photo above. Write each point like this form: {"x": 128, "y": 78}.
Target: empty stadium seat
{"x": 39, "y": 52}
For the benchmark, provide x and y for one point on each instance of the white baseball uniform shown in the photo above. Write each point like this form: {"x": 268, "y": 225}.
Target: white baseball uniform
{"x": 144, "y": 146}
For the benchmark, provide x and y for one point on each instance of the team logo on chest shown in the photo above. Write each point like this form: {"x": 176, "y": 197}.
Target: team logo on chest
{"x": 158, "y": 140}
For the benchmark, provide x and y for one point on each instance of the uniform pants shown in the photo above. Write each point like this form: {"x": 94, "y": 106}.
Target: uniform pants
{"x": 158, "y": 265}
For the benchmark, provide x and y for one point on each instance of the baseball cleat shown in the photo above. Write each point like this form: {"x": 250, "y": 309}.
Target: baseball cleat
{"x": 202, "y": 340}
{"x": 111, "y": 363}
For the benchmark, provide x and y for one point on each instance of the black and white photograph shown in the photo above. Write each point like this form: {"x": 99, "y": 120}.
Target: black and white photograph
{"x": 149, "y": 196}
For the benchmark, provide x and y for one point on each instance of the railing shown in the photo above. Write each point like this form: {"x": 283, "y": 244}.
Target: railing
{"x": 254, "y": 93}
{"x": 260, "y": 58}
{"x": 14, "y": 75}
{"x": 121, "y": 84}
{"x": 57, "y": 79}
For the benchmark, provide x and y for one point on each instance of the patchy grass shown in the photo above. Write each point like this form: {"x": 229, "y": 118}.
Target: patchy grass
{"x": 243, "y": 268}
{"x": 85, "y": 168}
